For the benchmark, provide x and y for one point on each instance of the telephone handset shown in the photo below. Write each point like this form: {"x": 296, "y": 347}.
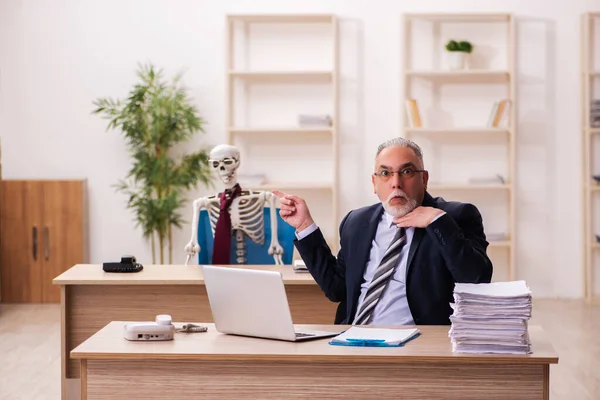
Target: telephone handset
{"x": 127, "y": 264}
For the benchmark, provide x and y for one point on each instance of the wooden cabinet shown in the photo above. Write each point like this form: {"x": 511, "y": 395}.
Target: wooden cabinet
{"x": 43, "y": 233}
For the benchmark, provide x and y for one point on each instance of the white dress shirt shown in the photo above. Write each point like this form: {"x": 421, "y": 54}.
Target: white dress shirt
{"x": 392, "y": 307}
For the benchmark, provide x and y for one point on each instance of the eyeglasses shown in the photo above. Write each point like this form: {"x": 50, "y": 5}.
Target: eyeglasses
{"x": 405, "y": 173}
{"x": 225, "y": 161}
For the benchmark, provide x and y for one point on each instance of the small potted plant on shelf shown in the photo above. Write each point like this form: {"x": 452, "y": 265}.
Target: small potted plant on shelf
{"x": 458, "y": 52}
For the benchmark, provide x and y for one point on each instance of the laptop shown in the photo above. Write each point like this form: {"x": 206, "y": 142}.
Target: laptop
{"x": 252, "y": 303}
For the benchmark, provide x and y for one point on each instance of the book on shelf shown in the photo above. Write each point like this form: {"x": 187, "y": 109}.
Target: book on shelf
{"x": 314, "y": 120}
{"x": 595, "y": 113}
{"x": 496, "y": 179}
{"x": 412, "y": 112}
{"x": 496, "y": 236}
{"x": 499, "y": 113}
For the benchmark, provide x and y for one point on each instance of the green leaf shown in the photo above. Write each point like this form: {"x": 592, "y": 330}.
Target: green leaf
{"x": 155, "y": 117}
{"x": 463, "y": 45}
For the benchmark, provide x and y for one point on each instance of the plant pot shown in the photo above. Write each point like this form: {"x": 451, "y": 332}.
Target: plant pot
{"x": 457, "y": 60}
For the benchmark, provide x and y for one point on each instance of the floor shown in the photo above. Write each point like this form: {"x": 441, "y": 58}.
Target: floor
{"x": 30, "y": 349}
{"x": 29, "y": 352}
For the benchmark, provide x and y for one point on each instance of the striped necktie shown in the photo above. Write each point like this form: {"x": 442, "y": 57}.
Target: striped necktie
{"x": 381, "y": 278}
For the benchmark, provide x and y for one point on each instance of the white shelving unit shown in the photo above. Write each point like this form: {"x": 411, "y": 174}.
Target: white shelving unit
{"x": 263, "y": 62}
{"x": 590, "y": 90}
{"x": 434, "y": 77}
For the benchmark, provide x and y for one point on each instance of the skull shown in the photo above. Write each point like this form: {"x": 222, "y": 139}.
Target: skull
{"x": 225, "y": 160}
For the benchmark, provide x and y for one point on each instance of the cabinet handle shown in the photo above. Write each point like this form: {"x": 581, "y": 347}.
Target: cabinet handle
{"x": 34, "y": 233}
{"x": 47, "y": 243}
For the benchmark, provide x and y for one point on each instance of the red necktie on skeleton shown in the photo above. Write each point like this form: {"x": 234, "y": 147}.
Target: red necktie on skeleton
{"x": 222, "y": 243}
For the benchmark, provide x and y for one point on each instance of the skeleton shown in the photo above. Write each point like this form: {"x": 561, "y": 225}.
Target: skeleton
{"x": 246, "y": 210}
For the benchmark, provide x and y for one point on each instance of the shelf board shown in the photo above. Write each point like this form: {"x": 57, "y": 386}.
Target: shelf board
{"x": 594, "y": 131}
{"x": 482, "y": 130}
{"x": 326, "y": 76}
{"x": 283, "y": 186}
{"x": 468, "y": 186}
{"x": 499, "y": 243}
{"x": 281, "y": 130}
{"x": 595, "y": 246}
{"x": 282, "y": 18}
{"x": 594, "y": 187}
{"x": 472, "y": 74}
{"x": 455, "y": 17}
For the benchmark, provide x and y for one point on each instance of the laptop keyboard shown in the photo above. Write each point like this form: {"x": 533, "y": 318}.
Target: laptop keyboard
{"x": 298, "y": 334}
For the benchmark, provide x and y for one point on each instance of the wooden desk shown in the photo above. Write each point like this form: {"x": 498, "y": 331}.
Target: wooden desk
{"x": 91, "y": 298}
{"x": 216, "y": 366}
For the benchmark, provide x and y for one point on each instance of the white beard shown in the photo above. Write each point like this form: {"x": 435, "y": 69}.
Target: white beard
{"x": 402, "y": 209}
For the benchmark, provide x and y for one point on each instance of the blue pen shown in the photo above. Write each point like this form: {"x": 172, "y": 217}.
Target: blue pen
{"x": 362, "y": 343}
{"x": 366, "y": 340}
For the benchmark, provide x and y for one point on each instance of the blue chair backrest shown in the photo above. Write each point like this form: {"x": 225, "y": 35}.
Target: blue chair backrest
{"x": 255, "y": 253}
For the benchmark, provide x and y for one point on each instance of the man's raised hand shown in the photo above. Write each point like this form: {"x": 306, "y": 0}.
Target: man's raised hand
{"x": 294, "y": 210}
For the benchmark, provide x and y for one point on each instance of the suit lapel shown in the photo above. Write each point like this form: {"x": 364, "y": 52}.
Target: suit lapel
{"x": 416, "y": 240}
{"x": 365, "y": 244}
{"x": 419, "y": 233}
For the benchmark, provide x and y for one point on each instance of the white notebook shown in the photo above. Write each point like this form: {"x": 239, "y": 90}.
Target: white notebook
{"x": 299, "y": 266}
{"x": 357, "y": 336}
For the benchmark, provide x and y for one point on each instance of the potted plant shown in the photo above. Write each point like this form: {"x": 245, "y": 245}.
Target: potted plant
{"x": 154, "y": 118}
{"x": 458, "y": 52}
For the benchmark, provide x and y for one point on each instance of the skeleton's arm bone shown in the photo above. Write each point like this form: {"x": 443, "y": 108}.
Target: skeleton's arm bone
{"x": 275, "y": 248}
{"x": 192, "y": 248}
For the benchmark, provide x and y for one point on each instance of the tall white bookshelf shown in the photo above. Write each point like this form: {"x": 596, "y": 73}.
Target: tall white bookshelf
{"x": 451, "y": 128}
{"x": 280, "y": 66}
{"x": 590, "y": 91}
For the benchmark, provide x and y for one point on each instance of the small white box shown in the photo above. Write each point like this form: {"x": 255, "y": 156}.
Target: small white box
{"x": 161, "y": 329}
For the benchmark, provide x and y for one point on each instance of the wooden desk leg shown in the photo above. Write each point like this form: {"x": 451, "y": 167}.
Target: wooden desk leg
{"x": 546, "y": 394}
{"x": 70, "y": 387}
{"x": 83, "y": 373}
{"x": 64, "y": 351}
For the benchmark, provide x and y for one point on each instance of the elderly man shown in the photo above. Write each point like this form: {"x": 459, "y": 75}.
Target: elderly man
{"x": 399, "y": 259}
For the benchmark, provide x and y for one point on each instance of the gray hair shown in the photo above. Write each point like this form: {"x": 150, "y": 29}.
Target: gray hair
{"x": 401, "y": 142}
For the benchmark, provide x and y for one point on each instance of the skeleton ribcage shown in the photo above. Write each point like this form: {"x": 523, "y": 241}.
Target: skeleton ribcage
{"x": 213, "y": 214}
{"x": 246, "y": 215}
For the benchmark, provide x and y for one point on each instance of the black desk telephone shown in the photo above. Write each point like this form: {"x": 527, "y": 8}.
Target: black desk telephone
{"x": 127, "y": 264}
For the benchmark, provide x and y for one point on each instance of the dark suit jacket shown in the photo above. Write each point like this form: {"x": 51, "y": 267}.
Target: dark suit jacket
{"x": 451, "y": 249}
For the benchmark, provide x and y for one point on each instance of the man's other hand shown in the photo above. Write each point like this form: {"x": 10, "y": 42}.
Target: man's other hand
{"x": 420, "y": 217}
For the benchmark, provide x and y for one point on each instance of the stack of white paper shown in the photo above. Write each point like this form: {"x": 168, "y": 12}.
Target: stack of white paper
{"x": 491, "y": 318}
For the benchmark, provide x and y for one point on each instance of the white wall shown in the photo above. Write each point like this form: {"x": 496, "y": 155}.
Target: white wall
{"x": 57, "y": 56}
